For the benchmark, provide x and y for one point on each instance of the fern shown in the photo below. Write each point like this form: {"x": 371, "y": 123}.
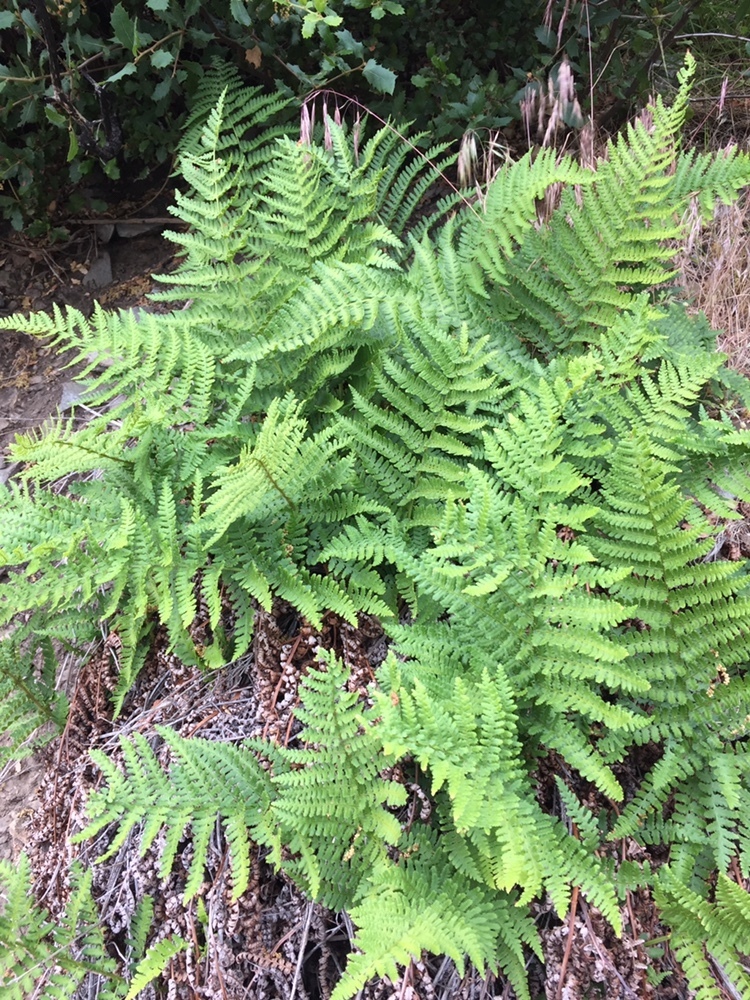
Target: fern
{"x": 705, "y": 932}
{"x": 56, "y": 959}
{"x": 422, "y": 902}
{"x": 47, "y": 958}
{"x": 324, "y": 804}
{"x": 233, "y": 786}
{"x": 510, "y": 425}
{"x": 571, "y": 277}
{"x": 32, "y": 711}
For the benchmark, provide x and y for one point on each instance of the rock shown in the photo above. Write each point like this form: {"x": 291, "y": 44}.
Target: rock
{"x": 104, "y": 231}
{"x": 130, "y": 229}
{"x": 100, "y": 272}
{"x": 71, "y": 394}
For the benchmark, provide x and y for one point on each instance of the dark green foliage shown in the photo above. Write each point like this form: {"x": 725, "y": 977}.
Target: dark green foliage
{"x": 513, "y": 428}
{"x": 88, "y": 91}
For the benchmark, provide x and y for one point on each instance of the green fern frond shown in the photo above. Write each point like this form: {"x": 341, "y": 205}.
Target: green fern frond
{"x": 209, "y": 780}
{"x": 326, "y": 804}
{"x": 419, "y": 904}
{"x": 153, "y": 963}
{"x": 32, "y": 711}
{"x": 651, "y": 526}
{"x": 610, "y": 236}
{"x": 487, "y": 244}
{"x": 331, "y": 800}
{"x": 703, "y": 932}
{"x": 569, "y": 864}
{"x": 243, "y": 110}
{"x": 654, "y": 791}
{"x": 42, "y": 957}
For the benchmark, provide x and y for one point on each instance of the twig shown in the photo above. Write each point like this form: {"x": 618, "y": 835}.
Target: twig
{"x": 710, "y": 34}
{"x": 301, "y": 954}
{"x": 568, "y": 943}
{"x": 406, "y": 981}
{"x": 607, "y": 961}
{"x": 726, "y": 982}
{"x": 288, "y": 732}
{"x": 156, "y": 220}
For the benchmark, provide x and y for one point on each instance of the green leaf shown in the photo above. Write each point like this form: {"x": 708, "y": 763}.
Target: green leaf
{"x": 124, "y": 29}
{"x": 348, "y": 44}
{"x": 16, "y": 218}
{"x": 161, "y": 58}
{"x": 7, "y": 19}
{"x": 392, "y": 7}
{"x": 333, "y": 20}
{"x": 72, "y": 146}
{"x": 161, "y": 90}
{"x": 152, "y": 965}
{"x": 382, "y": 79}
{"x": 239, "y": 13}
{"x": 309, "y": 25}
{"x": 127, "y": 70}
{"x": 158, "y": 4}
{"x": 30, "y": 21}
{"x": 546, "y": 36}
{"x": 54, "y": 116}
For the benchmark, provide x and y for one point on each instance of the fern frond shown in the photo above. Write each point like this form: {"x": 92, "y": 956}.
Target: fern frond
{"x": 702, "y": 931}
{"x": 32, "y": 711}
{"x": 420, "y": 904}
{"x": 42, "y": 957}
{"x": 209, "y": 780}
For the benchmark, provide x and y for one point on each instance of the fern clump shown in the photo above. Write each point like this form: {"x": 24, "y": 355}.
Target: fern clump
{"x": 511, "y": 429}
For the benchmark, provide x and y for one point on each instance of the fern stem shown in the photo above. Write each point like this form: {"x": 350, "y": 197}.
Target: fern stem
{"x": 93, "y": 451}
{"x": 273, "y": 483}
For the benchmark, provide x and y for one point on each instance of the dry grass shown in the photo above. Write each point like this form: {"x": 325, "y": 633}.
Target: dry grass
{"x": 714, "y": 262}
{"x": 714, "y": 266}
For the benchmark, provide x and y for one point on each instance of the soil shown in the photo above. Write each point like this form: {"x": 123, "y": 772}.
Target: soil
{"x": 117, "y": 273}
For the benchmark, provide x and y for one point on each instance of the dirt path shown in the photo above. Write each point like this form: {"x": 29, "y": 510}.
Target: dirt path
{"x": 33, "y": 378}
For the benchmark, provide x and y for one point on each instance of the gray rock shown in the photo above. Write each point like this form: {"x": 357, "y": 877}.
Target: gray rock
{"x": 104, "y": 231}
{"x": 130, "y": 229}
{"x": 71, "y": 394}
{"x": 100, "y": 272}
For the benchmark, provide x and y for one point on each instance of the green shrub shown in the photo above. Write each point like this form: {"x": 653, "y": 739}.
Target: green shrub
{"x": 89, "y": 91}
{"x": 514, "y": 428}
{"x": 108, "y": 84}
